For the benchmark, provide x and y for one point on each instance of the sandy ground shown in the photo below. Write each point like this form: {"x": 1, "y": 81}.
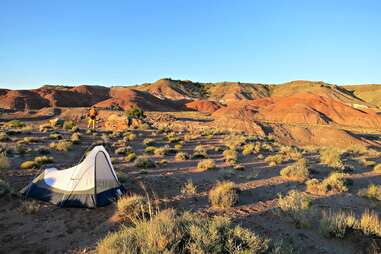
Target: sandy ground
{"x": 73, "y": 230}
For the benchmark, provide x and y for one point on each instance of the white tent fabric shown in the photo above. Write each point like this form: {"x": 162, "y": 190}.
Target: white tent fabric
{"x": 90, "y": 183}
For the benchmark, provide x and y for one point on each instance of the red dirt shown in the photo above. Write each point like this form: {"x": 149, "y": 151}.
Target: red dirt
{"x": 204, "y": 106}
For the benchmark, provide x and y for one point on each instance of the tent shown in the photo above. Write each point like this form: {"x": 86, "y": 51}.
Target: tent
{"x": 91, "y": 183}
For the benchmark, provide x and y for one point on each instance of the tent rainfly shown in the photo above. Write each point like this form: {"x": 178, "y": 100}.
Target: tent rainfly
{"x": 91, "y": 183}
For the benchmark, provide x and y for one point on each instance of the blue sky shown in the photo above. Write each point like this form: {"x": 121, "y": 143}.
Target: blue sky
{"x": 128, "y": 42}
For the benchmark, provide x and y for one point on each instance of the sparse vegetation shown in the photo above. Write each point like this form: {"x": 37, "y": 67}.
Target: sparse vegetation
{"x": 5, "y": 164}
{"x": 377, "y": 168}
{"x": 332, "y": 157}
{"x": 68, "y": 125}
{"x": 181, "y": 156}
{"x": 29, "y": 165}
{"x": 206, "y": 165}
{"x": 296, "y": 204}
{"x": 298, "y": 171}
{"x": 75, "y": 138}
{"x": 336, "y": 224}
{"x": 5, "y": 189}
{"x": 231, "y": 156}
{"x": 144, "y": 162}
{"x": 29, "y": 207}
{"x": 224, "y": 195}
{"x": 335, "y": 183}
{"x": 15, "y": 124}
{"x": 133, "y": 208}
{"x": 62, "y": 146}
{"x": 189, "y": 188}
{"x": 55, "y": 136}
{"x": 372, "y": 192}
{"x": 187, "y": 233}
{"x": 131, "y": 157}
{"x": 370, "y": 223}
{"x": 148, "y": 141}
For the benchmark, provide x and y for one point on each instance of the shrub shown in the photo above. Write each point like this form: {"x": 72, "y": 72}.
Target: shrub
{"x": 5, "y": 189}
{"x": 370, "y": 224}
{"x": 68, "y": 125}
{"x": 133, "y": 208}
{"x": 181, "y": 156}
{"x": 173, "y": 137}
{"x": 123, "y": 150}
{"x": 178, "y": 147}
{"x": 144, "y": 162}
{"x": 163, "y": 151}
{"x": 274, "y": 160}
{"x": 203, "y": 149}
{"x": 150, "y": 149}
{"x": 206, "y": 165}
{"x": 332, "y": 157}
{"x": 239, "y": 167}
{"x": 199, "y": 155}
{"x": 55, "y": 136}
{"x": 131, "y": 136}
{"x": 62, "y": 146}
{"x": 5, "y": 165}
{"x": 230, "y": 156}
{"x": 248, "y": 149}
{"x": 298, "y": 171}
{"x": 29, "y": 165}
{"x": 148, "y": 141}
{"x": 28, "y": 140}
{"x": 224, "y": 195}
{"x": 15, "y": 124}
{"x": 290, "y": 153}
{"x": 334, "y": 183}
{"x": 295, "y": 204}
{"x": 372, "y": 192}
{"x": 131, "y": 157}
{"x": 189, "y": 188}
{"x": 187, "y": 233}
{"x": 336, "y": 224}
{"x": 43, "y": 160}
{"x": 29, "y": 207}
{"x": 75, "y": 138}
{"x": 135, "y": 112}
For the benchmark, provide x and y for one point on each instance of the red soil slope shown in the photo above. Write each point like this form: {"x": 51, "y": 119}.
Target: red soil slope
{"x": 204, "y": 106}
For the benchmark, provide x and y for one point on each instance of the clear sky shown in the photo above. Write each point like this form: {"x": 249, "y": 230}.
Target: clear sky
{"x": 128, "y": 42}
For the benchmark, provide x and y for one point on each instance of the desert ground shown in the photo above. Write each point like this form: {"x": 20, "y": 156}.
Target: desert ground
{"x": 181, "y": 156}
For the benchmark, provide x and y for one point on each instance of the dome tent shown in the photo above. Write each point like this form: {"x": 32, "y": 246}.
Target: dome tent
{"x": 91, "y": 183}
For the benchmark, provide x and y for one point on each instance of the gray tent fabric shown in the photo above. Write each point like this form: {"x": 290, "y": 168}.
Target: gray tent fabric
{"x": 91, "y": 183}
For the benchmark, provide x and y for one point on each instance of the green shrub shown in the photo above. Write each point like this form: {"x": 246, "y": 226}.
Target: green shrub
{"x": 163, "y": 151}
{"x": 335, "y": 183}
{"x": 144, "y": 162}
{"x": 336, "y": 224}
{"x": 187, "y": 233}
{"x": 173, "y": 137}
{"x": 75, "y": 138}
{"x": 148, "y": 141}
{"x": 68, "y": 125}
{"x": 55, "y": 136}
{"x": 135, "y": 112}
{"x": 224, "y": 195}
{"x": 131, "y": 157}
{"x": 248, "y": 149}
{"x": 15, "y": 124}
{"x": 123, "y": 150}
{"x": 150, "y": 149}
{"x": 189, "y": 188}
{"x": 28, "y": 140}
{"x": 296, "y": 204}
{"x": 206, "y": 165}
{"x": 298, "y": 171}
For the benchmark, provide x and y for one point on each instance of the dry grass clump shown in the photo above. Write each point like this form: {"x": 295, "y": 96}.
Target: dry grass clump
{"x": 335, "y": 183}
{"x": 224, "y": 195}
{"x": 372, "y": 192}
{"x": 133, "y": 208}
{"x": 144, "y": 162}
{"x": 332, "y": 157}
{"x": 5, "y": 164}
{"x": 336, "y": 224}
{"x": 150, "y": 149}
{"x": 189, "y": 188}
{"x": 164, "y": 151}
{"x": 29, "y": 207}
{"x": 28, "y": 140}
{"x": 231, "y": 156}
{"x": 123, "y": 150}
{"x": 188, "y": 233}
{"x": 130, "y": 136}
{"x": 274, "y": 160}
{"x": 29, "y": 165}
{"x": 37, "y": 162}
{"x": 55, "y": 136}
{"x": 377, "y": 168}
{"x": 181, "y": 156}
{"x": 62, "y": 146}
{"x": 75, "y": 138}
{"x": 290, "y": 153}
{"x": 248, "y": 149}
{"x": 296, "y": 204}
{"x": 43, "y": 159}
{"x": 370, "y": 223}
{"x": 130, "y": 157}
{"x": 173, "y": 137}
{"x": 206, "y": 165}
{"x": 298, "y": 171}
{"x": 149, "y": 142}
